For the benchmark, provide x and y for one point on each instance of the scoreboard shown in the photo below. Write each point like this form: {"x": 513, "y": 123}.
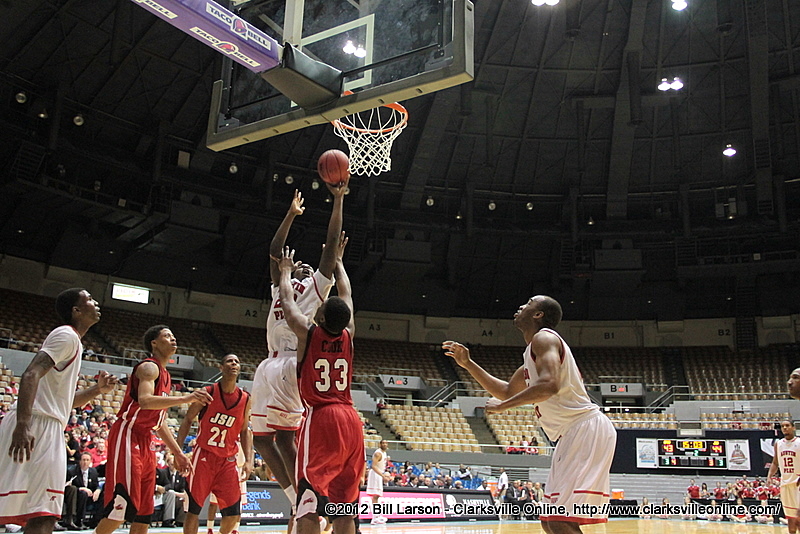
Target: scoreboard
{"x": 692, "y": 453}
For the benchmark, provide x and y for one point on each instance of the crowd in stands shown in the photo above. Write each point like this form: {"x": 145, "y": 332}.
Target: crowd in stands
{"x": 743, "y": 491}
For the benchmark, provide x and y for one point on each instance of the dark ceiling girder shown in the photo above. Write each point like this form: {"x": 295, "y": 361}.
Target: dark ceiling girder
{"x": 436, "y": 123}
{"x": 758, "y": 67}
{"x": 619, "y": 170}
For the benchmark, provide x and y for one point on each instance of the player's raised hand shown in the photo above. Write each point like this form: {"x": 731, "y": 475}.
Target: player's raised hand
{"x": 22, "y": 442}
{"x": 286, "y": 261}
{"x": 457, "y": 351}
{"x": 338, "y": 190}
{"x": 106, "y": 382}
{"x": 296, "y": 208}
{"x": 199, "y": 395}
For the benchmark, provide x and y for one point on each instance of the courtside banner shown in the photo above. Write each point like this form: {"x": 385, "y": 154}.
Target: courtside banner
{"x": 215, "y": 26}
{"x": 403, "y": 505}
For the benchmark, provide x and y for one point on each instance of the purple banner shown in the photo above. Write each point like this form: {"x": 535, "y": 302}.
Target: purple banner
{"x": 215, "y": 26}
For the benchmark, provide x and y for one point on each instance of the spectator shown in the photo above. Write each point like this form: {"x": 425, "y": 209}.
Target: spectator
{"x": 704, "y": 494}
{"x": 665, "y": 507}
{"x": 502, "y": 484}
{"x": 686, "y": 503}
{"x": 719, "y": 492}
{"x": 693, "y": 490}
{"x": 538, "y": 492}
{"x": 464, "y": 473}
{"x": 740, "y": 518}
{"x": 643, "y": 514}
{"x": 173, "y": 486}
{"x": 84, "y": 478}
{"x": 458, "y": 485}
{"x": 99, "y": 456}
{"x": 714, "y": 515}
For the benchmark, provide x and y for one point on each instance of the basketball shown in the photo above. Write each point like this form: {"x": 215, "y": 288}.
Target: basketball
{"x": 333, "y": 166}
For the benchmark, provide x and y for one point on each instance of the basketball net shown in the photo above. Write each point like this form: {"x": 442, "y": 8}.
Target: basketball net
{"x": 369, "y": 135}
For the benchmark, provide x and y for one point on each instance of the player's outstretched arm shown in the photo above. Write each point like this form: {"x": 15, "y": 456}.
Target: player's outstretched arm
{"x": 498, "y": 388}
{"x": 327, "y": 263}
{"x": 147, "y": 373}
{"x": 547, "y": 349}
{"x": 279, "y": 239}
{"x": 343, "y": 287}
{"x": 296, "y": 320}
{"x": 105, "y": 384}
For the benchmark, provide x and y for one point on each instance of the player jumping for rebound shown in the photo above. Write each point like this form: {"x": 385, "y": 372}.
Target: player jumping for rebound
{"x": 223, "y": 425}
{"x": 277, "y": 409}
{"x": 330, "y": 463}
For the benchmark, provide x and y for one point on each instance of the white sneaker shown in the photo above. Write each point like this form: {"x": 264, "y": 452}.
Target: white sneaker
{"x": 13, "y": 528}
{"x": 382, "y": 520}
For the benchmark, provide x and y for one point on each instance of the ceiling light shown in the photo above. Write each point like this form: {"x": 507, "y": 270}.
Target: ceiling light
{"x": 492, "y": 205}
{"x": 664, "y": 85}
{"x": 42, "y": 114}
{"x": 194, "y": 268}
{"x": 349, "y": 48}
{"x": 729, "y": 151}
{"x": 328, "y": 199}
{"x": 459, "y": 216}
{"x": 78, "y": 120}
{"x": 529, "y": 206}
{"x": 360, "y": 52}
{"x": 21, "y": 97}
{"x": 233, "y": 169}
{"x": 590, "y": 222}
{"x": 275, "y": 177}
{"x": 551, "y": 2}
{"x": 430, "y": 202}
{"x": 314, "y": 184}
{"x": 289, "y": 179}
{"x": 679, "y": 5}
{"x": 676, "y": 84}
{"x": 537, "y": 3}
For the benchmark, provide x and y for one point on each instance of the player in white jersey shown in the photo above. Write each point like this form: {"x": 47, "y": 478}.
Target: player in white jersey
{"x": 787, "y": 460}
{"x": 377, "y": 472}
{"x": 549, "y": 378}
{"x": 277, "y": 409}
{"x": 32, "y": 455}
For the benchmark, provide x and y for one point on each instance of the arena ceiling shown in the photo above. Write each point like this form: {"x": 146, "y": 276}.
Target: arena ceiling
{"x": 607, "y": 192}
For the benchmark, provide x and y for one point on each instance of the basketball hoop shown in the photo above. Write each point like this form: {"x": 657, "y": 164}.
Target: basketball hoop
{"x": 369, "y": 135}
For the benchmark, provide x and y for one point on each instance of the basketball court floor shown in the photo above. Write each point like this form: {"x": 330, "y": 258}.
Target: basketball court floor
{"x": 614, "y": 526}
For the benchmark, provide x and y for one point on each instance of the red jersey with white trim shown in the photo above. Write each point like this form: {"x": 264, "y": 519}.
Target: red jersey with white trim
{"x": 788, "y": 459}
{"x": 326, "y": 372}
{"x": 133, "y": 414}
{"x": 221, "y": 421}
{"x": 571, "y": 402}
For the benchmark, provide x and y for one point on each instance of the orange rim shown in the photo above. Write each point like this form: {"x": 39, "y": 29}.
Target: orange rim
{"x": 394, "y": 106}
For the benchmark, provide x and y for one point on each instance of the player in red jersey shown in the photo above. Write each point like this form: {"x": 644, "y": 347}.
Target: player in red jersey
{"x": 223, "y": 424}
{"x": 131, "y": 466}
{"x": 330, "y": 460}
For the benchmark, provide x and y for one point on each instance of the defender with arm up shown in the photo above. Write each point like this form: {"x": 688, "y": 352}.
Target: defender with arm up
{"x": 330, "y": 464}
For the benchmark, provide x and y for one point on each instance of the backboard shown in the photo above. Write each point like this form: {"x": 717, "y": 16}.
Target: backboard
{"x": 388, "y": 50}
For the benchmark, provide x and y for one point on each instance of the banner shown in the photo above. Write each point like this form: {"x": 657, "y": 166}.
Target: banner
{"x": 738, "y": 455}
{"x": 215, "y": 26}
{"x": 646, "y": 453}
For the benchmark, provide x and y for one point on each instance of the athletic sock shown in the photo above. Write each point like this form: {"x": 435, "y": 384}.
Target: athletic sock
{"x": 291, "y": 494}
